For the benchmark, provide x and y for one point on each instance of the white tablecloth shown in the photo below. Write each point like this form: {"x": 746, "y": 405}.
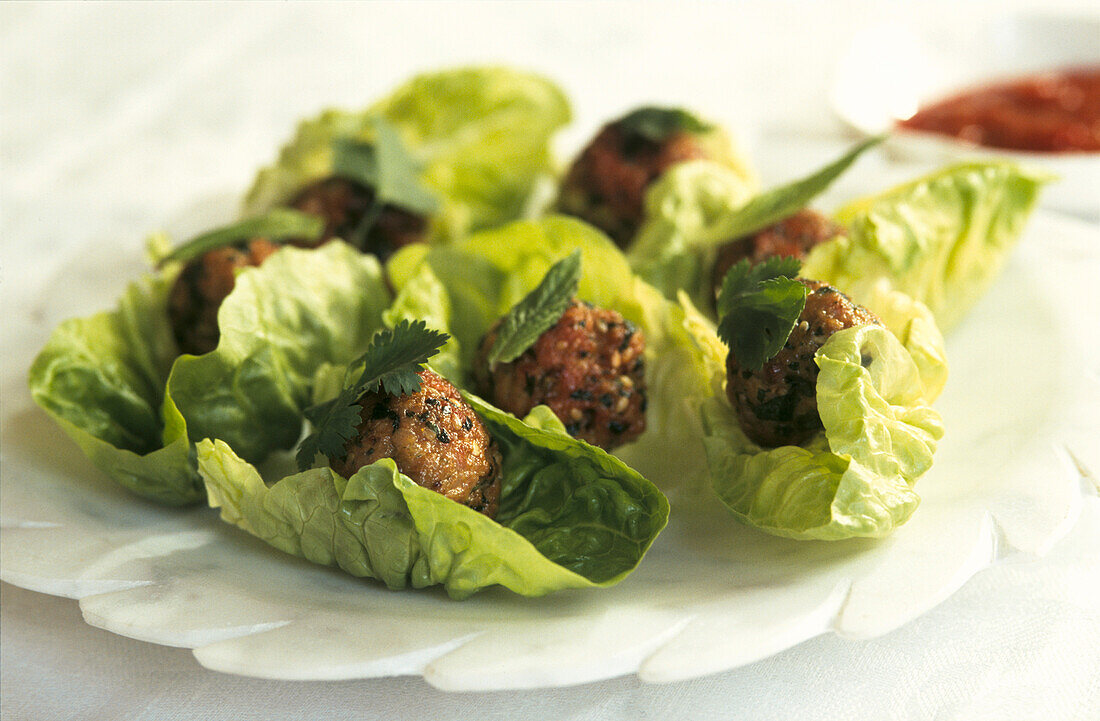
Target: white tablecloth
{"x": 118, "y": 118}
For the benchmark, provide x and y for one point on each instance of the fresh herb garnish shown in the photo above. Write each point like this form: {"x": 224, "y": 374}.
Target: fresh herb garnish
{"x": 276, "y": 225}
{"x": 391, "y": 363}
{"x": 786, "y": 200}
{"x": 388, "y": 169}
{"x": 656, "y": 124}
{"x": 758, "y": 306}
{"x": 538, "y": 311}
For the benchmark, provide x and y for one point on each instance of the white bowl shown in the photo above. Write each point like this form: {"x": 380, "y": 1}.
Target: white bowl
{"x": 892, "y": 68}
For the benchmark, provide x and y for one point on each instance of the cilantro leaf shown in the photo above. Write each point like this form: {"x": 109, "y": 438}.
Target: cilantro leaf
{"x": 538, "y": 311}
{"x": 759, "y": 306}
{"x": 275, "y": 225}
{"x": 391, "y": 363}
{"x": 656, "y": 124}
{"x": 778, "y": 203}
{"x": 748, "y": 276}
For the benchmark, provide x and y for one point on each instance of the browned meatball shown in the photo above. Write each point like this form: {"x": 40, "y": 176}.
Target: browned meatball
{"x": 201, "y": 287}
{"x": 606, "y": 184}
{"x": 792, "y": 237}
{"x": 343, "y": 204}
{"x": 589, "y": 368}
{"x": 435, "y": 439}
{"x": 777, "y": 405}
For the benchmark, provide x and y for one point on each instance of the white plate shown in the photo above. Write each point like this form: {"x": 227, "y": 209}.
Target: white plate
{"x": 1021, "y": 412}
{"x": 892, "y": 68}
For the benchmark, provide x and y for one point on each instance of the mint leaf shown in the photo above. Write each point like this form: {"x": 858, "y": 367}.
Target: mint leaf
{"x": 656, "y": 124}
{"x": 538, "y": 311}
{"x": 399, "y": 173}
{"x": 386, "y": 167}
{"x": 778, "y": 203}
{"x": 391, "y": 363}
{"x": 758, "y": 306}
{"x": 276, "y": 225}
{"x": 355, "y": 160}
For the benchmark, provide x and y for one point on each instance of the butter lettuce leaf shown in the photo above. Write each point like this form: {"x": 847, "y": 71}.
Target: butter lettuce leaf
{"x": 571, "y": 516}
{"x": 487, "y": 273}
{"x": 424, "y": 298}
{"x": 941, "y": 239}
{"x": 855, "y": 479}
{"x": 915, "y": 327}
{"x": 116, "y": 384}
{"x": 686, "y": 211}
{"x": 102, "y": 379}
{"x": 480, "y": 134}
{"x": 283, "y": 320}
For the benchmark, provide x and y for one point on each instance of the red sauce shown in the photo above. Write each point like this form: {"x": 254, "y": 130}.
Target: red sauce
{"x": 1052, "y": 112}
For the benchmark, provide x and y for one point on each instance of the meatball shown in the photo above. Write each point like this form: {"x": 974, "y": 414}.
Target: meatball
{"x": 606, "y": 184}
{"x": 792, "y": 237}
{"x": 777, "y": 405}
{"x": 201, "y": 287}
{"x": 343, "y": 204}
{"x": 589, "y": 368}
{"x": 435, "y": 439}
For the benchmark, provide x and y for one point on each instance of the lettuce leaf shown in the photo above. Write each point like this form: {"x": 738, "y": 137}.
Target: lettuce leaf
{"x": 913, "y": 325}
{"x": 424, "y": 298}
{"x": 481, "y": 134}
{"x": 941, "y": 239}
{"x": 571, "y": 516}
{"x": 283, "y": 320}
{"x": 114, "y": 383}
{"x": 487, "y": 273}
{"x": 855, "y": 479}
{"x": 102, "y": 380}
{"x": 685, "y": 216}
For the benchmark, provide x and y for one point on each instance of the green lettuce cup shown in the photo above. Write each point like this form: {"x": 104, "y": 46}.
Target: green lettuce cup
{"x": 874, "y": 384}
{"x": 484, "y": 275}
{"x": 941, "y": 239}
{"x": 571, "y": 516}
{"x": 606, "y": 182}
{"x": 853, "y": 479}
{"x": 480, "y": 135}
{"x": 116, "y": 384}
{"x": 102, "y": 379}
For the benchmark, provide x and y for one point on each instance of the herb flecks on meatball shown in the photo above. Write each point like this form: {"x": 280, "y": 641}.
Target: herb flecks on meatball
{"x": 792, "y": 237}
{"x": 589, "y": 368}
{"x": 435, "y": 439}
{"x": 201, "y": 287}
{"x": 606, "y": 184}
{"x": 344, "y": 205}
{"x": 777, "y": 405}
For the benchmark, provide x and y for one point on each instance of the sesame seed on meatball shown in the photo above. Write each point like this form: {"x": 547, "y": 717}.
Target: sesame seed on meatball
{"x": 606, "y": 184}
{"x": 589, "y": 368}
{"x": 434, "y": 437}
{"x": 200, "y": 288}
{"x": 777, "y": 405}
{"x": 792, "y": 237}
{"x": 343, "y": 204}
